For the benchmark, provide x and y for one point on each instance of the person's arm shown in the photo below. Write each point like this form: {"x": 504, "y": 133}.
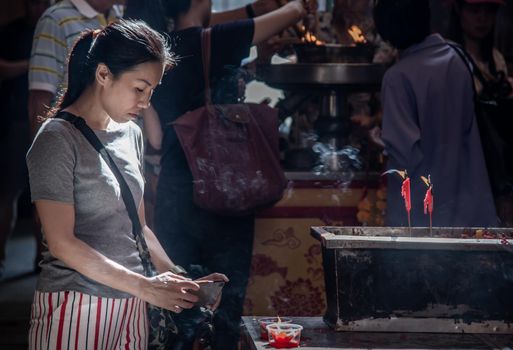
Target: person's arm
{"x": 46, "y": 67}
{"x": 165, "y": 290}
{"x": 152, "y": 127}
{"x": 274, "y": 22}
{"x": 12, "y": 69}
{"x": 259, "y": 8}
{"x": 39, "y": 102}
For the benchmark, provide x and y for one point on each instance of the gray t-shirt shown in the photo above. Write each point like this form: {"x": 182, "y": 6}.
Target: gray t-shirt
{"x": 63, "y": 166}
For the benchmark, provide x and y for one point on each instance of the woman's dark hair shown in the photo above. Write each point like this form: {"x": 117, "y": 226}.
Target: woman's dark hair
{"x": 120, "y": 46}
{"x": 456, "y": 34}
{"x": 402, "y": 22}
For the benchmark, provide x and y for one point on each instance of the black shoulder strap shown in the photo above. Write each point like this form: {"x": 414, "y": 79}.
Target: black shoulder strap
{"x": 206, "y": 58}
{"x": 126, "y": 194}
{"x": 466, "y": 58}
{"x": 471, "y": 67}
{"x": 469, "y": 61}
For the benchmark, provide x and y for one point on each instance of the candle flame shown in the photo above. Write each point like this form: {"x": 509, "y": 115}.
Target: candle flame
{"x": 357, "y": 35}
{"x": 402, "y": 173}
{"x": 310, "y": 38}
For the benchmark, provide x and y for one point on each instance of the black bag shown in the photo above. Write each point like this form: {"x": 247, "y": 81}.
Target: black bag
{"x": 494, "y": 115}
{"x": 162, "y": 327}
{"x": 495, "y": 120}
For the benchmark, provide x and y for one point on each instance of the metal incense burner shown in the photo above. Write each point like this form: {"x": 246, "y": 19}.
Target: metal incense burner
{"x": 454, "y": 280}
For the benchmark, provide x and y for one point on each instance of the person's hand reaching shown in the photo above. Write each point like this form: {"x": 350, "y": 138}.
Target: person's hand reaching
{"x": 169, "y": 291}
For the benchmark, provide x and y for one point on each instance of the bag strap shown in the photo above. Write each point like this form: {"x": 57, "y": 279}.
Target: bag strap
{"x": 474, "y": 68}
{"x": 471, "y": 67}
{"x": 206, "y": 55}
{"x": 126, "y": 194}
{"x": 466, "y": 58}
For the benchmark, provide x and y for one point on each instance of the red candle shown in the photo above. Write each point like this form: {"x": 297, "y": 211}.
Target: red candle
{"x": 405, "y": 190}
{"x": 406, "y": 193}
{"x": 264, "y": 322}
{"x": 263, "y": 331}
{"x": 284, "y": 341}
{"x": 428, "y": 200}
{"x": 284, "y": 336}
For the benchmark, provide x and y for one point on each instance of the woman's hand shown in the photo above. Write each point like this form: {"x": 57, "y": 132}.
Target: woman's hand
{"x": 169, "y": 291}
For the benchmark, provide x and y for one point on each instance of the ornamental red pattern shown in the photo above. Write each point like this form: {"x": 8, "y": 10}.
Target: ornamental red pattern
{"x": 283, "y": 238}
{"x": 264, "y": 265}
{"x": 298, "y": 298}
{"x": 316, "y": 274}
{"x": 313, "y": 254}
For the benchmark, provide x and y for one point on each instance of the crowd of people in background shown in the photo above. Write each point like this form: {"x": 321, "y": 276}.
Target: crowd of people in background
{"x": 88, "y": 250}
{"x": 15, "y": 52}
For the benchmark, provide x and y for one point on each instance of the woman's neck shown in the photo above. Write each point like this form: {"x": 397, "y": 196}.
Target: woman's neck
{"x": 88, "y": 107}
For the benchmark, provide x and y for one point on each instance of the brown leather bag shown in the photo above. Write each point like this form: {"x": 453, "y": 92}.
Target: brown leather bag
{"x": 232, "y": 151}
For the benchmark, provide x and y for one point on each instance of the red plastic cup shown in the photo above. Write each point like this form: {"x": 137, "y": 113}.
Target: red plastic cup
{"x": 284, "y": 335}
{"x": 264, "y": 322}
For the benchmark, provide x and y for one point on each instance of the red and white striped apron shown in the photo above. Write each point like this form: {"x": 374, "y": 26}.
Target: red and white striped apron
{"x": 73, "y": 320}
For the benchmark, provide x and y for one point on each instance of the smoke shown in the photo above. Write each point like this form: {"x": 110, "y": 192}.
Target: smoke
{"x": 338, "y": 163}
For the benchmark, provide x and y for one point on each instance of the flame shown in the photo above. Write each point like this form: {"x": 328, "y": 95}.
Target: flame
{"x": 402, "y": 173}
{"x": 427, "y": 180}
{"x": 357, "y": 35}
{"x": 308, "y": 37}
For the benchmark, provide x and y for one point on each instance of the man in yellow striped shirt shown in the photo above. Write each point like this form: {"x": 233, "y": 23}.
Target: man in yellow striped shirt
{"x": 55, "y": 34}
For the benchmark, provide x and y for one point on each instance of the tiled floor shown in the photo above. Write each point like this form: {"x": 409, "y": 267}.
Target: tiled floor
{"x": 17, "y": 288}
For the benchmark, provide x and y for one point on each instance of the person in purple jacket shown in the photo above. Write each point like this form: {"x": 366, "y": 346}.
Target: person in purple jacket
{"x": 429, "y": 123}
